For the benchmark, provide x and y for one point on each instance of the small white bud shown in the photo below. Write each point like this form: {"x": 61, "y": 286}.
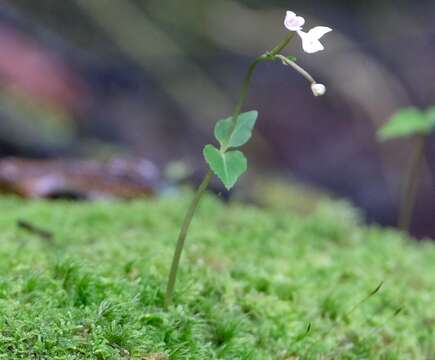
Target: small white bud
{"x": 318, "y": 89}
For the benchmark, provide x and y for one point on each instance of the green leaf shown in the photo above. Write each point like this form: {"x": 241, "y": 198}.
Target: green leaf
{"x": 227, "y": 166}
{"x": 430, "y": 114}
{"x": 241, "y": 133}
{"x": 406, "y": 122}
{"x": 292, "y": 58}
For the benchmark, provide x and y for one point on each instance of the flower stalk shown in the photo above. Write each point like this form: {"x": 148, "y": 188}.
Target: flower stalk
{"x": 317, "y": 88}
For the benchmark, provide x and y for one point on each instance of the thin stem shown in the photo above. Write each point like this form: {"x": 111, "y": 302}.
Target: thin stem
{"x": 282, "y": 45}
{"x": 245, "y": 87}
{"x": 206, "y": 181}
{"x": 182, "y": 237}
{"x": 242, "y": 98}
{"x": 410, "y": 187}
{"x": 298, "y": 68}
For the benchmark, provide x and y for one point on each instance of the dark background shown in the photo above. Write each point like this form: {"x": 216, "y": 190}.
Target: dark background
{"x": 149, "y": 78}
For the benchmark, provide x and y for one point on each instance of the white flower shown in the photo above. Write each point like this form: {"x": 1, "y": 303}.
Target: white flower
{"x": 293, "y": 22}
{"x": 310, "y": 39}
{"x": 318, "y": 89}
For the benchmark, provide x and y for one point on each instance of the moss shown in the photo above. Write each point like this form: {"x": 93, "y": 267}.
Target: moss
{"x": 254, "y": 284}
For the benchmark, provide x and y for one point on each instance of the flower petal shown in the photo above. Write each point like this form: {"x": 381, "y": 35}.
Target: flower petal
{"x": 312, "y": 46}
{"x": 309, "y": 43}
{"x": 290, "y": 14}
{"x": 300, "y": 20}
{"x": 293, "y": 22}
{"x": 319, "y": 31}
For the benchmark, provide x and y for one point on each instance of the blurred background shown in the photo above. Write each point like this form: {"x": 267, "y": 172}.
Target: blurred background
{"x": 134, "y": 87}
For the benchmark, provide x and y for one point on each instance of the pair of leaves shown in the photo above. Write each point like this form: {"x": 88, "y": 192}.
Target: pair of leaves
{"x": 230, "y": 165}
{"x": 409, "y": 121}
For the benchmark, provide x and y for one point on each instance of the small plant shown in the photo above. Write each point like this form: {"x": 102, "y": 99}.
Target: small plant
{"x": 410, "y": 122}
{"x": 224, "y": 161}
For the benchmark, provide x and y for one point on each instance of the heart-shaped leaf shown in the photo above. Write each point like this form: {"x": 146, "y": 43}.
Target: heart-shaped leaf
{"x": 242, "y": 131}
{"x": 227, "y": 166}
{"x": 406, "y": 122}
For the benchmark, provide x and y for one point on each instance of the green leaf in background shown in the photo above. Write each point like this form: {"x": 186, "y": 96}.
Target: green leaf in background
{"x": 227, "y": 166}
{"x": 292, "y": 58}
{"x": 406, "y": 122}
{"x": 430, "y": 114}
{"x": 242, "y": 132}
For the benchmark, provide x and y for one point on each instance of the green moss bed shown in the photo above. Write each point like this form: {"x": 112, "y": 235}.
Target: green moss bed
{"x": 254, "y": 284}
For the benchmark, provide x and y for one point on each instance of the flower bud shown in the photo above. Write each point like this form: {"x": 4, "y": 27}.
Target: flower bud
{"x": 318, "y": 89}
